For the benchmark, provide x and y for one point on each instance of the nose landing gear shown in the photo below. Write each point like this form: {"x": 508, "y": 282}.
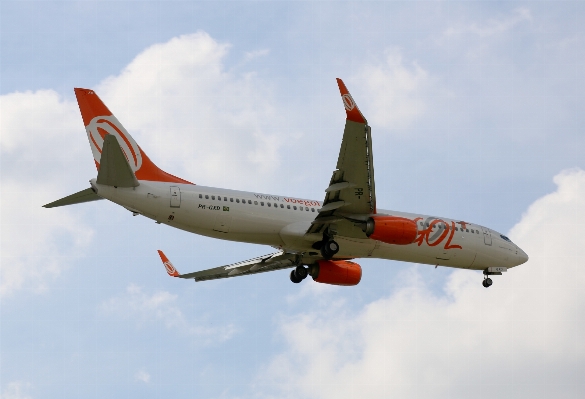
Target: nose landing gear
{"x": 491, "y": 271}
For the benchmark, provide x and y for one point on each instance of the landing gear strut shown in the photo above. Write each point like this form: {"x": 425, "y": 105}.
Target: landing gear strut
{"x": 299, "y": 274}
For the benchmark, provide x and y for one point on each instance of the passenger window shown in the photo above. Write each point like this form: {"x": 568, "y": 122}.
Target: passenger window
{"x": 231, "y": 200}
{"x": 473, "y": 231}
{"x": 200, "y": 195}
{"x": 250, "y": 202}
{"x": 225, "y": 198}
{"x": 288, "y": 207}
{"x": 307, "y": 208}
{"x": 282, "y": 206}
{"x": 238, "y": 200}
{"x": 262, "y": 203}
{"x": 218, "y": 198}
{"x": 269, "y": 204}
{"x": 295, "y": 208}
{"x": 213, "y": 197}
{"x": 456, "y": 228}
{"x": 312, "y": 209}
{"x": 427, "y": 224}
{"x": 206, "y": 196}
{"x": 255, "y": 202}
{"x": 467, "y": 230}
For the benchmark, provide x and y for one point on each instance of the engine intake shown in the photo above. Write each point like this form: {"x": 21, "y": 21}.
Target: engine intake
{"x": 391, "y": 229}
{"x": 338, "y": 272}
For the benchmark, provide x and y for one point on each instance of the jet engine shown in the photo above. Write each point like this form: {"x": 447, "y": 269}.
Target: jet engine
{"x": 391, "y": 229}
{"x": 338, "y": 272}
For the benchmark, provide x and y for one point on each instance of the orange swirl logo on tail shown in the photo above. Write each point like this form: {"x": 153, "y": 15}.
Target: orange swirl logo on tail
{"x": 102, "y": 125}
{"x": 171, "y": 269}
{"x": 348, "y": 102}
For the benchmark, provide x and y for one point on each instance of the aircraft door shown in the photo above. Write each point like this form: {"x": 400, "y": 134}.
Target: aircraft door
{"x": 175, "y": 197}
{"x": 487, "y": 237}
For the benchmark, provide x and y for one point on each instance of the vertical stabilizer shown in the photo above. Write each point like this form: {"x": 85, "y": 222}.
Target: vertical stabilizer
{"x": 99, "y": 122}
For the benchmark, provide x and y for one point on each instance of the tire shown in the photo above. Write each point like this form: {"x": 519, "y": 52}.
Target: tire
{"x": 332, "y": 247}
{"x": 294, "y": 278}
{"x": 487, "y": 282}
{"x": 301, "y": 273}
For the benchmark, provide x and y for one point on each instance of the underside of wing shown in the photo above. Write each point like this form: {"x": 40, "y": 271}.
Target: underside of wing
{"x": 261, "y": 264}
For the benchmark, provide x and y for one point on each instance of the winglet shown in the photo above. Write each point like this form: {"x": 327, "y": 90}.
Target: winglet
{"x": 168, "y": 265}
{"x": 351, "y": 108}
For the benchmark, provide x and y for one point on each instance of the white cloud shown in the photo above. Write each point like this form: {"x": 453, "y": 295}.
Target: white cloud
{"x": 143, "y": 376}
{"x": 250, "y": 55}
{"x": 193, "y": 116}
{"x": 161, "y": 307}
{"x": 39, "y": 141}
{"x": 394, "y": 91}
{"x": 16, "y": 390}
{"x": 523, "y": 337}
{"x": 492, "y": 27}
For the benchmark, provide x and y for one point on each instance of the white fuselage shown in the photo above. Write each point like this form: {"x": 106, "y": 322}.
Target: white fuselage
{"x": 282, "y": 222}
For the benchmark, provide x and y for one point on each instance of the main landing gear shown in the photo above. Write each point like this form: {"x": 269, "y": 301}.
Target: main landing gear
{"x": 298, "y": 274}
{"x": 329, "y": 248}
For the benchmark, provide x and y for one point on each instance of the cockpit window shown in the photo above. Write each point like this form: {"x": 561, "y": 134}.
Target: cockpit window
{"x": 505, "y": 238}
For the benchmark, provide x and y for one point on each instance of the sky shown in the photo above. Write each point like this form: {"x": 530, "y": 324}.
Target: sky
{"x": 476, "y": 111}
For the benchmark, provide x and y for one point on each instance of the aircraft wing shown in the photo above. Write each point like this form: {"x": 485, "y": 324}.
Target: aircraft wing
{"x": 261, "y": 264}
{"x": 351, "y": 191}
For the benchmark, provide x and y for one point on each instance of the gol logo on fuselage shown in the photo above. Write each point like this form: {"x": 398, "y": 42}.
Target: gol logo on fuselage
{"x": 433, "y": 237}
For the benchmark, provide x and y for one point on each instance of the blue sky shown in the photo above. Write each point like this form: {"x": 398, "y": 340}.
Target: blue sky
{"x": 476, "y": 110}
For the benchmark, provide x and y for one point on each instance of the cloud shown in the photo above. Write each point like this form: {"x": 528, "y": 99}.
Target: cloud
{"x": 523, "y": 337}
{"x": 38, "y": 142}
{"x": 16, "y": 390}
{"x": 194, "y": 116}
{"x": 143, "y": 376}
{"x": 394, "y": 90}
{"x": 160, "y": 307}
{"x": 250, "y": 55}
{"x": 492, "y": 27}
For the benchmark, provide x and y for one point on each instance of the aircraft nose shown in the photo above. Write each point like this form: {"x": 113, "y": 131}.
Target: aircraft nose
{"x": 522, "y": 257}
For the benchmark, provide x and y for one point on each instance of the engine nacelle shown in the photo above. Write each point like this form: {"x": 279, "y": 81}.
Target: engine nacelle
{"x": 336, "y": 272}
{"x": 391, "y": 229}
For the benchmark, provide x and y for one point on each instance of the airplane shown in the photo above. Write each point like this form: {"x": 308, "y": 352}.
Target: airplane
{"x": 313, "y": 238}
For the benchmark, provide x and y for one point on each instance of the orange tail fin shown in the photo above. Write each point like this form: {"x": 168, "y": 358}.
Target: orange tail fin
{"x": 99, "y": 121}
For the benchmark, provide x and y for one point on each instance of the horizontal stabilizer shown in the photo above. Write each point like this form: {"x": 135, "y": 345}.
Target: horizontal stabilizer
{"x": 86, "y": 195}
{"x": 114, "y": 167}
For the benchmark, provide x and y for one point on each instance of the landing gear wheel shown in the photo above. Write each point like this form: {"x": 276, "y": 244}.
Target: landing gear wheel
{"x": 294, "y": 278}
{"x": 329, "y": 249}
{"x": 301, "y": 272}
{"x": 487, "y": 282}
